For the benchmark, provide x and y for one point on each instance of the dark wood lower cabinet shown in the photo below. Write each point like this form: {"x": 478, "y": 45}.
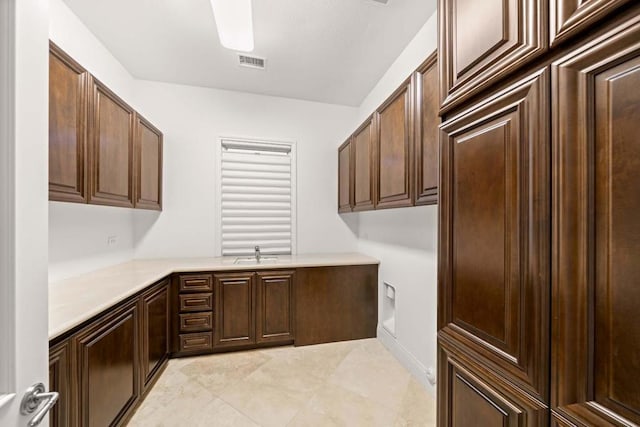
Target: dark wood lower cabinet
{"x": 108, "y": 368}
{"x": 234, "y": 312}
{"x": 60, "y": 379}
{"x": 274, "y": 307}
{"x": 104, "y": 367}
{"x": 155, "y": 331}
{"x": 336, "y": 304}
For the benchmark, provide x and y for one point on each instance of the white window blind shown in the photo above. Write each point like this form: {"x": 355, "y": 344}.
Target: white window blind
{"x": 257, "y": 198}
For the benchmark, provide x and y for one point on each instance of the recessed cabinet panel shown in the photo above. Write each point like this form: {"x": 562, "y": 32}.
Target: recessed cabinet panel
{"x": 427, "y": 132}
{"x": 481, "y": 41}
{"x": 67, "y": 127}
{"x": 394, "y": 150}
{"x": 470, "y": 396}
{"x": 494, "y": 283}
{"x": 570, "y": 17}
{"x": 60, "y": 380}
{"x": 364, "y": 164}
{"x": 274, "y": 306}
{"x": 108, "y": 368}
{"x": 148, "y": 165}
{"x": 345, "y": 181}
{"x": 155, "y": 331}
{"x": 597, "y": 171}
{"x": 234, "y": 313}
{"x": 111, "y": 154}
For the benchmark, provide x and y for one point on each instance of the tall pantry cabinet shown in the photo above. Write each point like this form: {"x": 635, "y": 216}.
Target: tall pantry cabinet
{"x": 539, "y": 225}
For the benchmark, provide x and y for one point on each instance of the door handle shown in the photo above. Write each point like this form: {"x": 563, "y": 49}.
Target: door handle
{"x": 31, "y": 401}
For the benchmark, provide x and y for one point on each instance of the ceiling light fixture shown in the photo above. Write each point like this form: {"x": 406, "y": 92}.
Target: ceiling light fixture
{"x": 235, "y": 23}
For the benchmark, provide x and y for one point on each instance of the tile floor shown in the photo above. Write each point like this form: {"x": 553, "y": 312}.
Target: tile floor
{"x": 353, "y": 383}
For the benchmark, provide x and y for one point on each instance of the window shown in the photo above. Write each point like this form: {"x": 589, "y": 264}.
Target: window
{"x": 257, "y": 197}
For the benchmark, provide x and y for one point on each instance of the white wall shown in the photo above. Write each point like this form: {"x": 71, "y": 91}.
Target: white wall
{"x": 405, "y": 240}
{"x": 192, "y": 119}
{"x": 78, "y": 234}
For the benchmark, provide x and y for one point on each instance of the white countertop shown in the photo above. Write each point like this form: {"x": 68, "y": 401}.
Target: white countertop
{"x": 77, "y": 299}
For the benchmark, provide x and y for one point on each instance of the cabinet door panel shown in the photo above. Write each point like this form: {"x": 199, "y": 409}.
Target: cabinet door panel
{"x": 494, "y": 273}
{"x": 234, "y": 315}
{"x": 60, "y": 380}
{"x": 274, "y": 306}
{"x": 108, "y": 368}
{"x": 570, "y": 17}
{"x": 426, "y": 136}
{"x": 394, "y": 151}
{"x": 345, "y": 178}
{"x": 67, "y": 127}
{"x": 155, "y": 331}
{"x": 148, "y": 165}
{"x": 364, "y": 163}
{"x": 482, "y": 41}
{"x": 470, "y": 396}
{"x": 111, "y": 155}
{"x": 597, "y": 185}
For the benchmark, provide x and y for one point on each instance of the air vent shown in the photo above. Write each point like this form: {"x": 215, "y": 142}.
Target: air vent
{"x": 251, "y": 61}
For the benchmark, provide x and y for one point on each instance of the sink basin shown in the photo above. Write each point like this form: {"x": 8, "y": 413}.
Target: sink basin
{"x": 253, "y": 260}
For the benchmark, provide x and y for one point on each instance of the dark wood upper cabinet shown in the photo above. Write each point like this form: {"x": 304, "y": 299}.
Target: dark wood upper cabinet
{"x": 426, "y": 131}
{"x": 110, "y": 148}
{"x": 67, "y": 127}
{"x": 345, "y": 177}
{"x": 394, "y": 150}
{"x": 155, "y": 331}
{"x": 148, "y": 165}
{"x": 483, "y": 41}
{"x": 570, "y": 17}
{"x": 596, "y": 183}
{"x": 363, "y": 146}
{"x": 234, "y": 309}
{"x": 274, "y": 306}
{"x": 494, "y": 232}
{"x": 100, "y": 150}
{"x": 108, "y": 364}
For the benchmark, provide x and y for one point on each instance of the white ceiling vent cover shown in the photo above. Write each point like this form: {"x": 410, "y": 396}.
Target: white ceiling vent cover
{"x": 251, "y": 61}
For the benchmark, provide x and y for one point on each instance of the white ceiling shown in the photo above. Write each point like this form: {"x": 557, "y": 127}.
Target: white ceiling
{"x": 322, "y": 50}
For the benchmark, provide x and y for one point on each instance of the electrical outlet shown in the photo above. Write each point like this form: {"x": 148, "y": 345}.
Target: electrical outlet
{"x": 431, "y": 376}
{"x": 112, "y": 240}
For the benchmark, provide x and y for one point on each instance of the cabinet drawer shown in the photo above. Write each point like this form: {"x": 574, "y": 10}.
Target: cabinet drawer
{"x": 196, "y": 322}
{"x": 196, "y": 302}
{"x": 196, "y": 342}
{"x": 196, "y": 283}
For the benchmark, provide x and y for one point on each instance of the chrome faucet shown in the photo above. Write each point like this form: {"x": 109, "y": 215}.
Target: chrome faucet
{"x": 258, "y": 256}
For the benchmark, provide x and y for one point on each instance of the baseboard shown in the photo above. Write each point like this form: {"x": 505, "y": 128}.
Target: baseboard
{"x": 406, "y": 359}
